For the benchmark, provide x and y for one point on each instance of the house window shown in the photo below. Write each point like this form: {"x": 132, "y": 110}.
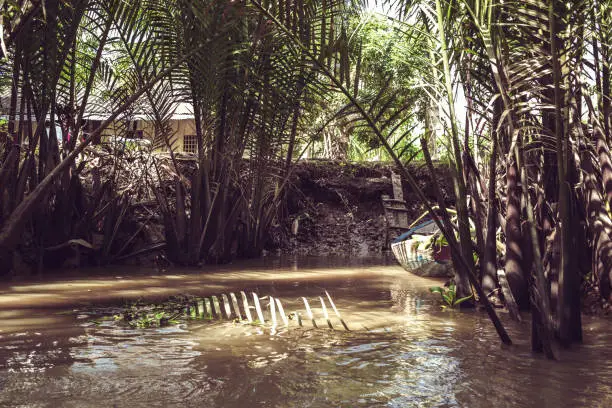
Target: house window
{"x": 190, "y": 144}
{"x": 133, "y": 131}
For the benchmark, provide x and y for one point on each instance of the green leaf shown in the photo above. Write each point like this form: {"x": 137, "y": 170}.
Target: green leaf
{"x": 463, "y": 299}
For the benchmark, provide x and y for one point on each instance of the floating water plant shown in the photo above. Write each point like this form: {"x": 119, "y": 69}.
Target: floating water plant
{"x": 449, "y": 296}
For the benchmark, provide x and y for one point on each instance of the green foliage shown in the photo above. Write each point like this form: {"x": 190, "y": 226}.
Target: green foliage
{"x": 387, "y": 87}
{"x": 173, "y": 311}
{"x": 382, "y": 74}
{"x": 142, "y": 320}
{"x": 440, "y": 241}
{"x": 448, "y": 295}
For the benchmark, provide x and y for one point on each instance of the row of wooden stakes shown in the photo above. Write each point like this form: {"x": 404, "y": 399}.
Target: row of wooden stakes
{"x": 228, "y": 307}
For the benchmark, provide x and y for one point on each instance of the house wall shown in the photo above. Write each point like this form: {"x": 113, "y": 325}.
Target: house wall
{"x": 180, "y": 128}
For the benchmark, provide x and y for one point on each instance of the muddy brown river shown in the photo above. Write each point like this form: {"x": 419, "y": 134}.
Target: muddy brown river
{"x": 59, "y": 349}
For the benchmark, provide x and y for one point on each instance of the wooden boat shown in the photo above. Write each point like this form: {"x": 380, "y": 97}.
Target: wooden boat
{"x": 418, "y": 252}
{"x": 418, "y": 249}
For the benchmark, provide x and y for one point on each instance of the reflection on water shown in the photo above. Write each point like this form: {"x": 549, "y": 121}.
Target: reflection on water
{"x": 402, "y": 350}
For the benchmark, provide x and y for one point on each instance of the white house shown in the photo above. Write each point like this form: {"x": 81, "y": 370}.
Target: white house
{"x": 140, "y": 126}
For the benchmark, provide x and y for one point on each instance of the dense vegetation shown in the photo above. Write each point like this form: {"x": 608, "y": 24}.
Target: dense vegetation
{"x": 514, "y": 95}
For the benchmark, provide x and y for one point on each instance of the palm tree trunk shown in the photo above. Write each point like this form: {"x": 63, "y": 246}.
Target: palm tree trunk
{"x": 465, "y": 238}
{"x": 489, "y": 261}
{"x": 514, "y": 241}
{"x": 570, "y": 328}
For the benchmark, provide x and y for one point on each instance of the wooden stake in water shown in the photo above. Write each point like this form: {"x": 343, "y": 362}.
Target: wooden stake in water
{"x": 299, "y": 318}
{"x": 201, "y": 310}
{"x": 236, "y": 306}
{"x": 281, "y": 311}
{"x": 273, "y": 312}
{"x": 331, "y": 302}
{"x": 325, "y": 315}
{"x": 216, "y": 307}
{"x": 226, "y": 306}
{"x": 209, "y": 309}
{"x": 258, "y": 308}
{"x": 196, "y": 309}
{"x": 309, "y": 313}
{"x": 245, "y": 303}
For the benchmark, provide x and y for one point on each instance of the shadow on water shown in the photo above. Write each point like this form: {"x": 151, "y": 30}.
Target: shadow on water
{"x": 402, "y": 350}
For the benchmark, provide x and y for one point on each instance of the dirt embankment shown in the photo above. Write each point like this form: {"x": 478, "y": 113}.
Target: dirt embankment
{"x": 332, "y": 208}
{"x": 335, "y": 208}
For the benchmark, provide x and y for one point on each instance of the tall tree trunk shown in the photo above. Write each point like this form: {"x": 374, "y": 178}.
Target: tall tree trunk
{"x": 489, "y": 262}
{"x": 606, "y": 89}
{"x": 599, "y": 224}
{"x": 514, "y": 250}
{"x": 570, "y": 327}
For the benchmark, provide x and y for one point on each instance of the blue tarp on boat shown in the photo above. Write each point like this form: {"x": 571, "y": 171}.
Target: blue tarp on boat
{"x": 417, "y": 229}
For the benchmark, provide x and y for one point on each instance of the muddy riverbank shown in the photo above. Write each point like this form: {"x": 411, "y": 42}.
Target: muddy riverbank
{"x": 327, "y": 208}
{"x": 335, "y": 208}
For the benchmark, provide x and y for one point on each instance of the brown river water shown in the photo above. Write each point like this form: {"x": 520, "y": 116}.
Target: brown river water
{"x": 402, "y": 350}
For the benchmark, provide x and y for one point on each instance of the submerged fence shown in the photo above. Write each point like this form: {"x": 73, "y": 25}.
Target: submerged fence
{"x": 228, "y": 307}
